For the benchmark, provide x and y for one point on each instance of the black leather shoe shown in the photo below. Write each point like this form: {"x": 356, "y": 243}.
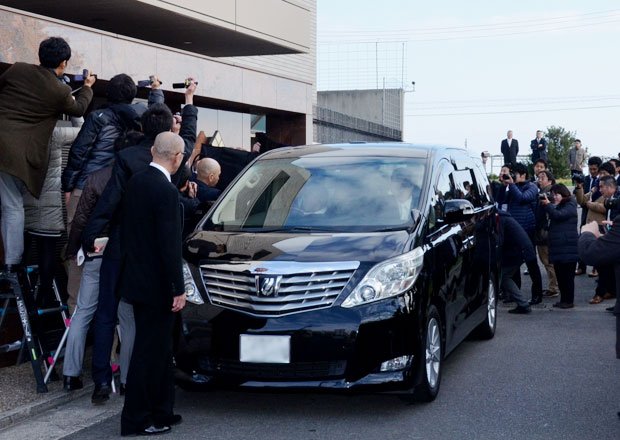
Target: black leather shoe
{"x": 71, "y": 383}
{"x": 155, "y": 430}
{"x": 101, "y": 394}
{"x": 520, "y": 310}
{"x": 172, "y": 420}
{"x": 535, "y": 301}
{"x": 563, "y": 305}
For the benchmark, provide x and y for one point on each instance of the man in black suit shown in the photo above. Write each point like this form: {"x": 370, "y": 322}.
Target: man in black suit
{"x": 107, "y": 213}
{"x": 510, "y": 148}
{"x": 151, "y": 279}
{"x": 539, "y": 147}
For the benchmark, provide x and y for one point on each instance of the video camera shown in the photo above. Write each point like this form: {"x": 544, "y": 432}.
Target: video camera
{"x": 185, "y": 84}
{"x": 147, "y": 82}
{"x": 577, "y": 178}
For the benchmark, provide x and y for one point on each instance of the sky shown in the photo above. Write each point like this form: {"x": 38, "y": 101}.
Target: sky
{"x": 482, "y": 67}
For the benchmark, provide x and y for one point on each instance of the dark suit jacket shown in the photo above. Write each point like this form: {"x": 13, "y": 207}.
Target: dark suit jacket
{"x": 151, "y": 261}
{"x": 510, "y": 153}
{"x": 538, "y": 153}
{"x": 31, "y": 99}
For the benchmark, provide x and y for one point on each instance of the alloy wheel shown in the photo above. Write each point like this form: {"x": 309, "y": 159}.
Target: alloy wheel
{"x": 433, "y": 352}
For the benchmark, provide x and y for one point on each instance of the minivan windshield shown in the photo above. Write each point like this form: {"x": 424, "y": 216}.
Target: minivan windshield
{"x": 322, "y": 194}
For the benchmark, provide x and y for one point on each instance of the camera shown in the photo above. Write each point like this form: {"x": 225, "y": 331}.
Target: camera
{"x": 508, "y": 176}
{"x": 80, "y": 78}
{"x": 147, "y": 82}
{"x": 612, "y": 203}
{"x": 185, "y": 84}
{"x": 576, "y": 178}
{"x": 543, "y": 196}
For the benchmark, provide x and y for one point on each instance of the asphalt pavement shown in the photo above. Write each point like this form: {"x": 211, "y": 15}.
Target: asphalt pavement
{"x": 548, "y": 375}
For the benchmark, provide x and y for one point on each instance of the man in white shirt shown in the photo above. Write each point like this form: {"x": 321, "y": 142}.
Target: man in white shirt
{"x": 510, "y": 148}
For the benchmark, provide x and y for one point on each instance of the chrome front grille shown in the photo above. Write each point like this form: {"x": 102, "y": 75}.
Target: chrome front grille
{"x": 276, "y": 288}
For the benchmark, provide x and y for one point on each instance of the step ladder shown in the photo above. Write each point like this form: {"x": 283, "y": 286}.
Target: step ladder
{"x": 22, "y": 288}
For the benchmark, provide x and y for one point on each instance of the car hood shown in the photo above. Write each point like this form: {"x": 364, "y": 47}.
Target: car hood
{"x": 307, "y": 247}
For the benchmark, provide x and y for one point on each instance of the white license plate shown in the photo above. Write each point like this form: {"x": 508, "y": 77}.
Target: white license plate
{"x": 265, "y": 349}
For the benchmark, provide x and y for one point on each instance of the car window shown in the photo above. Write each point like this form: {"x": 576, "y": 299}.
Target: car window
{"x": 335, "y": 193}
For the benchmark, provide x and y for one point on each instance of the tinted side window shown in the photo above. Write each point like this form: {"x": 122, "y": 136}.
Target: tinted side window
{"x": 465, "y": 186}
{"x": 442, "y": 191}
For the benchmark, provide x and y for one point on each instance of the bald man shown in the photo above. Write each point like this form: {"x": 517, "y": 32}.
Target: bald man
{"x": 151, "y": 280}
{"x": 207, "y": 176}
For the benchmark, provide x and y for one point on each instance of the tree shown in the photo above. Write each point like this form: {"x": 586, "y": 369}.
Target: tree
{"x": 559, "y": 143}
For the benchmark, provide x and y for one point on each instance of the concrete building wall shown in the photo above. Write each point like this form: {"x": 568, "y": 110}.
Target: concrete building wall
{"x": 380, "y": 106}
{"x": 335, "y": 127}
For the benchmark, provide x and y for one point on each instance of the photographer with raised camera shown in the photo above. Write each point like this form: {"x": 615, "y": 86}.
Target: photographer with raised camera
{"x": 519, "y": 196}
{"x": 93, "y": 149}
{"x": 584, "y": 185}
{"x": 545, "y": 182}
{"x": 561, "y": 208}
{"x": 595, "y": 203}
{"x": 31, "y": 100}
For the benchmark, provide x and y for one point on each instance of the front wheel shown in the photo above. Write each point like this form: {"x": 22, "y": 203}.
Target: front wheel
{"x": 430, "y": 359}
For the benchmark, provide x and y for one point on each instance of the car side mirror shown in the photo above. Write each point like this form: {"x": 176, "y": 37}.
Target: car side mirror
{"x": 457, "y": 210}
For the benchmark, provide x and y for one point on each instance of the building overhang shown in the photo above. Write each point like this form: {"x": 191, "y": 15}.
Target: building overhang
{"x": 168, "y": 24}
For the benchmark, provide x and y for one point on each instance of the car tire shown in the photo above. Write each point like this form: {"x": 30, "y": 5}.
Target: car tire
{"x": 486, "y": 329}
{"x": 430, "y": 358}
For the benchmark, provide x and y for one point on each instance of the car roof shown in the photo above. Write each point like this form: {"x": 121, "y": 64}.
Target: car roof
{"x": 360, "y": 149}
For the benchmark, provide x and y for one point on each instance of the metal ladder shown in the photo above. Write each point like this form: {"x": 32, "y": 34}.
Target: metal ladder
{"x": 20, "y": 284}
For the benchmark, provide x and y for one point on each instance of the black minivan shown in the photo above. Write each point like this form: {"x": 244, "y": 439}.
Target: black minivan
{"x": 341, "y": 267}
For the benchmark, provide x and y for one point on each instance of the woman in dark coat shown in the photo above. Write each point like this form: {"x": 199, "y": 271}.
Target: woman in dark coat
{"x": 561, "y": 208}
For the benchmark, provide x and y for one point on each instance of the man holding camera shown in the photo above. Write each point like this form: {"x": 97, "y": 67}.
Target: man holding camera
{"x": 31, "y": 99}
{"x": 519, "y": 197}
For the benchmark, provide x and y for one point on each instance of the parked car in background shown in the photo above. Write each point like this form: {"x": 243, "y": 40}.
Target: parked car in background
{"x": 341, "y": 267}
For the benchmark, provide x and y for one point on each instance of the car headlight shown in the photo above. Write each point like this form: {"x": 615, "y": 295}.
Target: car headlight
{"x": 387, "y": 279}
{"x": 191, "y": 290}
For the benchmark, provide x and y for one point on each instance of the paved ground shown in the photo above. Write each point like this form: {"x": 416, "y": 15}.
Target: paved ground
{"x": 548, "y": 375}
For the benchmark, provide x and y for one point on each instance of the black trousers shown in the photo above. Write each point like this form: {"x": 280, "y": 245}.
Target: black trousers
{"x": 606, "y": 282}
{"x": 565, "y": 273}
{"x": 47, "y": 260}
{"x": 149, "y": 396}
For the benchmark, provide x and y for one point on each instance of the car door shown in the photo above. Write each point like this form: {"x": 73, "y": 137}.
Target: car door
{"x": 450, "y": 250}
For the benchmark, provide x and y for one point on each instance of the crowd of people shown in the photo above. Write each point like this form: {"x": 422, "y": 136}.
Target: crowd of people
{"x": 539, "y": 214}
{"x": 135, "y": 176}
{"x": 547, "y": 212}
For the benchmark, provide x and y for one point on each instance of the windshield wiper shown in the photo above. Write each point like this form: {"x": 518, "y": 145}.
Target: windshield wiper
{"x": 393, "y": 228}
{"x": 295, "y": 229}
